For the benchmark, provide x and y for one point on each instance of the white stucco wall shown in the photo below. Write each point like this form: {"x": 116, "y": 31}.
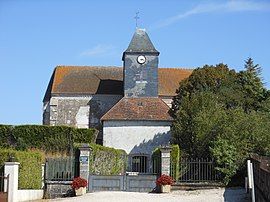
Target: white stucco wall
{"x": 136, "y": 137}
{"x": 29, "y": 194}
{"x": 167, "y": 100}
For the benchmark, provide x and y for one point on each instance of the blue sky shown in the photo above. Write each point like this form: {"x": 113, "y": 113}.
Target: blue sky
{"x": 36, "y": 36}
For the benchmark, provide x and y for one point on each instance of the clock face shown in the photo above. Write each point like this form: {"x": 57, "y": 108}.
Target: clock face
{"x": 141, "y": 59}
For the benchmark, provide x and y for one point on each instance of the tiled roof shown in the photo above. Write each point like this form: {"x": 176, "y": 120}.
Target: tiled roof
{"x": 153, "y": 109}
{"x": 75, "y": 79}
{"x": 169, "y": 78}
{"x": 106, "y": 80}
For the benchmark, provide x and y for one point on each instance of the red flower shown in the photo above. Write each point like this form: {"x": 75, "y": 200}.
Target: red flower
{"x": 79, "y": 182}
{"x": 164, "y": 180}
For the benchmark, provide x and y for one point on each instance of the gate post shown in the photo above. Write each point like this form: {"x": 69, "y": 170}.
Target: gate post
{"x": 12, "y": 169}
{"x": 84, "y": 161}
{"x": 165, "y": 159}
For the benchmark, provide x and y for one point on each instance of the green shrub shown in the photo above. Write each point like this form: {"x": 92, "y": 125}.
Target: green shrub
{"x": 106, "y": 160}
{"x": 29, "y": 168}
{"x": 46, "y": 138}
{"x": 227, "y": 158}
{"x": 175, "y": 158}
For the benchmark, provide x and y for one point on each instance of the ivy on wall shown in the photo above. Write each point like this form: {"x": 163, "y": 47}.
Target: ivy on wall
{"x": 29, "y": 169}
{"x": 106, "y": 160}
{"x": 46, "y": 138}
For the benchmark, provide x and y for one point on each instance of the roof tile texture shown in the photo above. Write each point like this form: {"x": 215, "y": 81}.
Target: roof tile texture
{"x": 109, "y": 80}
{"x": 153, "y": 109}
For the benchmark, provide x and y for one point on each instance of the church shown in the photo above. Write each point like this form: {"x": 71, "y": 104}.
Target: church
{"x": 128, "y": 105}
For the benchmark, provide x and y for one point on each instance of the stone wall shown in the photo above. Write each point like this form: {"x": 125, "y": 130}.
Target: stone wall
{"x": 56, "y": 189}
{"x": 78, "y": 111}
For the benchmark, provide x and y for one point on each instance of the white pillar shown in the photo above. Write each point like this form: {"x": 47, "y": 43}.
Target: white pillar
{"x": 42, "y": 175}
{"x": 12, "y": 169}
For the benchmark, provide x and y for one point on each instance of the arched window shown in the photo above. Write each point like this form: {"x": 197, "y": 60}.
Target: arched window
{"x": 139, "y": 164}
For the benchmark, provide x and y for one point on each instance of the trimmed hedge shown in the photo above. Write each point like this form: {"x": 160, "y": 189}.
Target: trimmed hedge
{"x": 46, "y": 138}
{"x": 6, "y": 138}
{"x": 175, "y": 161}
{"x": 106, "y": 161}
{"x": 29, "y": 168}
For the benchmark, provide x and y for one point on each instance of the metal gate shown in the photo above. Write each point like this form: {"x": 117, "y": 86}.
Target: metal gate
{"x": 60, "y": 169}
{"x": 4, "y": 182}
{"x": 195, "y": 170}
{"x": 132, "y": 183}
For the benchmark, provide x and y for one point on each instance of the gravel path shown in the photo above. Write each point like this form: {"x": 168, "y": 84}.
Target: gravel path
{"x": 211, "y": 195}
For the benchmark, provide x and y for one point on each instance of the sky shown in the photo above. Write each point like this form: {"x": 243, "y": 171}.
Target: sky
{"x": 36, "y": 36}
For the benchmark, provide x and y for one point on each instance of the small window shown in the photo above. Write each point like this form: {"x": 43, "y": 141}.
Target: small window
{"x": 139, "y": 164}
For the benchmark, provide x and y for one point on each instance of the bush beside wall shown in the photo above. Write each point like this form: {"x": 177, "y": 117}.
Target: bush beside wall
{"x": 175, "y": 161}
{"x": 46, "y": 138}
{"x": 29, "y": 168}
{"x": 106, "y": 160}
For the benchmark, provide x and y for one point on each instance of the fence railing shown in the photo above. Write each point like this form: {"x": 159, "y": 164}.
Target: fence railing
{"x": 193, "y": 170}
{"x": 60, "y": 169}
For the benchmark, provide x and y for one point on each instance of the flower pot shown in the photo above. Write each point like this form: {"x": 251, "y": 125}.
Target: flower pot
{"x": 80, "y": 191}
{"x": 165, "y": 188}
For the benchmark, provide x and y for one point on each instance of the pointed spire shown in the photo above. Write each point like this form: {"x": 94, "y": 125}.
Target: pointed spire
{"x": 141, "y": 43}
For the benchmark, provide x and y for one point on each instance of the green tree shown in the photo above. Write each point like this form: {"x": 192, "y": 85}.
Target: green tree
{"x": 223, "y": 114}
{"x": 252, "y": 84}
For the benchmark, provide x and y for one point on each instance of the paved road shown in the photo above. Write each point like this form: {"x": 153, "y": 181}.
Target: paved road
{"x": 212, "y": 195}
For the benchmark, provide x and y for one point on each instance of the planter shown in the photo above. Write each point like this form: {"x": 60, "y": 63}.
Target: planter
{"x": 80, "y": 191}
{"x": 165, "y": 188}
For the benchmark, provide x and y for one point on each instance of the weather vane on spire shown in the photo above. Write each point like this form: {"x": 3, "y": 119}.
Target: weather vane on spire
{"x": 136, "y": 18}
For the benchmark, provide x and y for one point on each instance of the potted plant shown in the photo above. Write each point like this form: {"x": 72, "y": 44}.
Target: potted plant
{"x": 165, "y": 182}
{"x": 79, "y": 185}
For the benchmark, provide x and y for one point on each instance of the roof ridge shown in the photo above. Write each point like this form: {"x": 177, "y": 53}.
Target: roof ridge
{"x": 57, "y": 66}
{"x": 113, "y": 66}
{"x": 178, "y": 68}
{"x": 112, "y": 108}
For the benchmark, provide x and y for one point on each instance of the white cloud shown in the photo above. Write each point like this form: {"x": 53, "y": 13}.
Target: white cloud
{"x": 229, "y": 6}
{"x": 99, "y": 50}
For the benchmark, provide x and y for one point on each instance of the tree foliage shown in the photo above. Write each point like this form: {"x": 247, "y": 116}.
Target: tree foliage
{"x": 222, "y": 114}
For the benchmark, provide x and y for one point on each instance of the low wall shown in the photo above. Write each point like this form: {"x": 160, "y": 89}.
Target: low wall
{"x": 56, "y": 189}
{"x": 28, "y": 195}
{"x": 261, "y": 169}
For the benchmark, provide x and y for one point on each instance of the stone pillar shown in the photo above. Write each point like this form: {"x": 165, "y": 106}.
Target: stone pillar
{"x": 12, "y": 170}
{"x": 84, "y": 161}
{"x": 165, "y": 160}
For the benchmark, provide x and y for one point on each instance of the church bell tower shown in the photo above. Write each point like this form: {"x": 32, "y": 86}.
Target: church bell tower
{"x": 140, "y": 67}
